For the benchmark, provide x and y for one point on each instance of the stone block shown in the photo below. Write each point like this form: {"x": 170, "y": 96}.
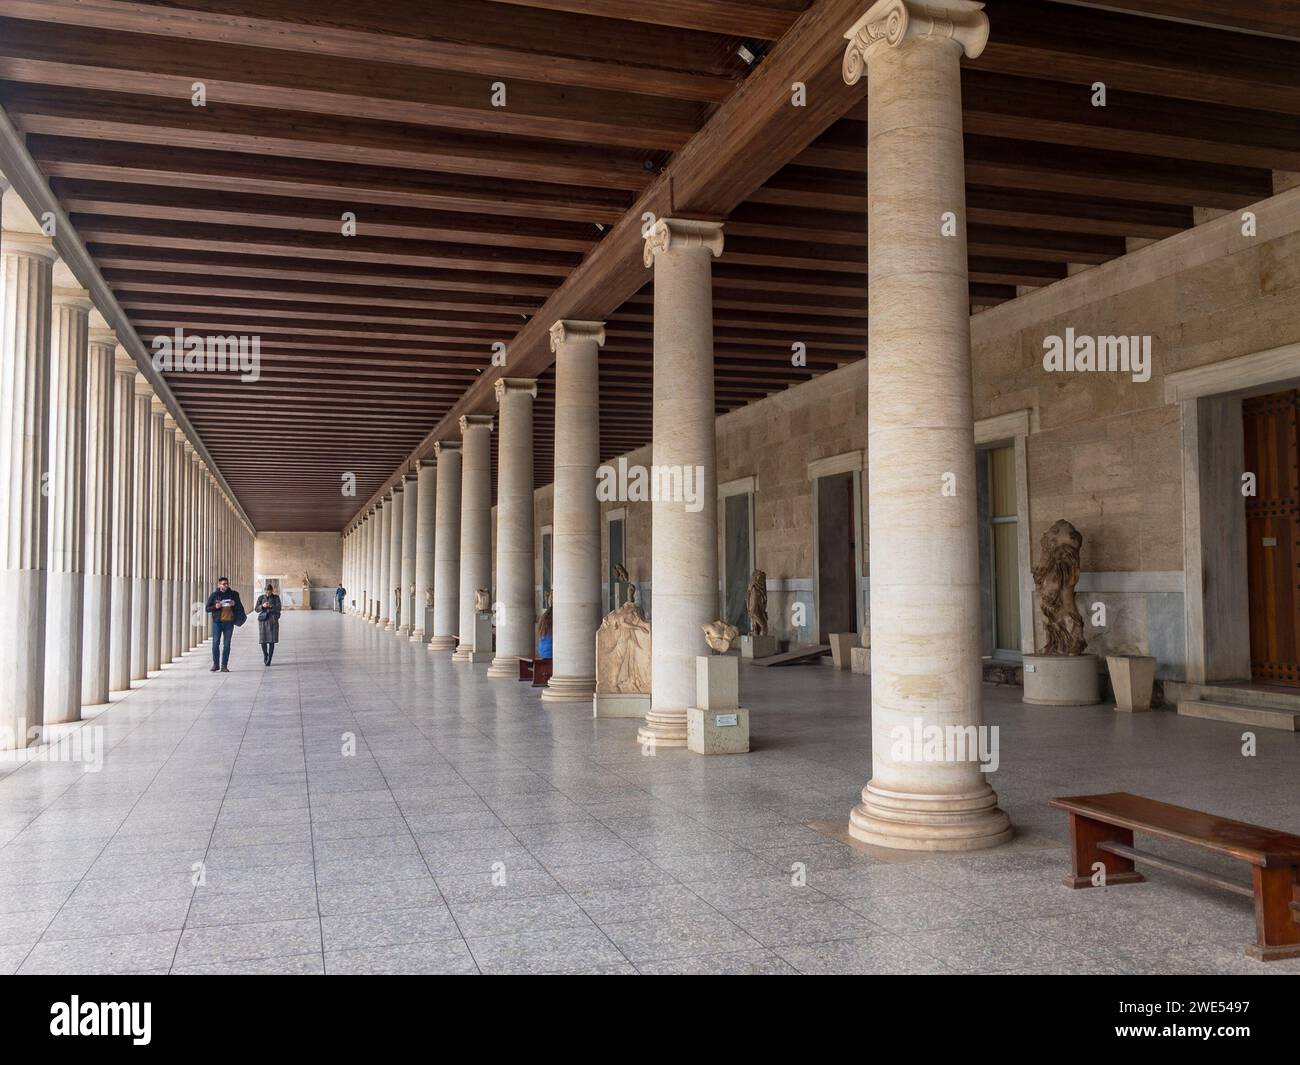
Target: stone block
{"x": 1132, "y": 676}
{"x": 842, "y": 644}
{"x": 717, "y": 731}
{"x": 620, "y": 704}
{"x": 1061, "y": 680}
{"x": 717, "y": 682}
{"x": 860, "y": 659}
{"x": 758, "y": 646}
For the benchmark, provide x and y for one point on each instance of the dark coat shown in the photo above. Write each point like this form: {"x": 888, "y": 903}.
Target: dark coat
{"x": 212, "y": 608}
{"x": 268, "y": 618}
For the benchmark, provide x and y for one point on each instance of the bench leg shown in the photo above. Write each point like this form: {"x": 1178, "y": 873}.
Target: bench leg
{"x": 1277, "y": 934}
{"x": 1085, "y": 834}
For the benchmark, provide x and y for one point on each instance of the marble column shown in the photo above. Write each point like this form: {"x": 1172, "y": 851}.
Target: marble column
{"x": 410, "y": 505}
{"x": 157, "y": 502}
{"x": 425, "y": 526}
{"x": 66, "y": 498}
{"x": 925, "y": 587}
{"x": 181, "y": 613}
{"x": 101, "y": 410}
{"x": 363, "y": 562}
{"x": 446, "y": 548}
{"x": 575, "y": 544}
{"x": 26, "y": 265}
{"x": 514, "y": 607}
{"x": 684, "y": 537}
{"x": 383, "y": 611}
{"x": 395, "y": 558}
{"x": 197, "y": 616}
{"x": 141, "y": 536}
{"x": 167, "y": 540}
{"x": 374, "y": 522}
{"x": 475, "y": 523}
{"x": 123, "y": 466}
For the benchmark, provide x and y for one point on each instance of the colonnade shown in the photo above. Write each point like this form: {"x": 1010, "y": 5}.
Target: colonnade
{"x": 923, "y": 537}
{"x": 112, "y": 528}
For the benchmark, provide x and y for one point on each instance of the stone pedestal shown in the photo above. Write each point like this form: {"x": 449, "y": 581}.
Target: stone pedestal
{"x": 717, "y": 724}
{"x": 1061, "y": 680}
{"x": 860, "y": 660}
{"x": 758, "y": 646}
{"x": 620, "y": 704}
{"x": 1132, "y": 677}
{"x": 481, "y": 649}
{"x": 842, "y": 645}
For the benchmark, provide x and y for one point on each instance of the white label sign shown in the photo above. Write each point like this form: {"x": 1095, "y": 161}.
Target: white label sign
{"x": 723, "y": 720}
{"x": 1270, "y": 541}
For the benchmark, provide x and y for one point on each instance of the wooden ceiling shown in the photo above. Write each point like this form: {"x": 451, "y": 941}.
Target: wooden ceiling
{"x": 478, "y": 224}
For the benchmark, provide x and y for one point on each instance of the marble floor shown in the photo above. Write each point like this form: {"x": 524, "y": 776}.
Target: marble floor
{"x": 365, "y": 806}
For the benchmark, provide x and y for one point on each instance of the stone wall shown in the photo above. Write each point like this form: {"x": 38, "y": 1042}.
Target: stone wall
{"x": 318, "y": 554}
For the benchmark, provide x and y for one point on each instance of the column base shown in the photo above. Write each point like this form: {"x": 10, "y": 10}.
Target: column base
{"x": 388, "y": 626}
{"x": 442, "y": 643}
{"x": 569, "y": 689}
{"x": 663, "y": 728}
{"x": 403, "y": 630}
{"x": 914, "y": 821}
{"x": 506, "y": 666}
{"x": 464, "y": 652}
{"x": 417, "y": 636}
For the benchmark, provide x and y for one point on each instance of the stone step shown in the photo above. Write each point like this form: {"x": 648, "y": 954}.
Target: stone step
{"x": 1250, "y": 696}
{"x": 1258, "y": 716}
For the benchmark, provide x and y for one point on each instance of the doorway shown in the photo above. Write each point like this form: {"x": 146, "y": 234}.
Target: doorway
{"x": 837, "y": 552}
{"x": 736, "y": 512}
{"x": 1272, "y": 453}
{"x": 615, "y": 589}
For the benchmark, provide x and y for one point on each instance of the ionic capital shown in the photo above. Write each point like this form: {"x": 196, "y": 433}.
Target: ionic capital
{"x": 450, "y": 446}
{"x": 673, "y": 234}
{"x": 514, "y": 384}
{"x": 891, "y": 23}
{"x": 572, "y": 329}
{"x": 475, "y": 421}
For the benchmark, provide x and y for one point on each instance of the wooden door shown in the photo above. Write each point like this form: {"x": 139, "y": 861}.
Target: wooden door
{"x": 1273, "y": 535}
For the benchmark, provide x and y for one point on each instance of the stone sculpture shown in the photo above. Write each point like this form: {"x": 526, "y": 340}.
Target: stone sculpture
{"x": 428, "y": 599}
{"x": 305, "y": 581}
{"x": 1055, "y": 576}
{"x": 623, "y": 650}
{"x": 720, "y": 635}
{"x": 756, "y": 603}
{"x": 482, "y": 601}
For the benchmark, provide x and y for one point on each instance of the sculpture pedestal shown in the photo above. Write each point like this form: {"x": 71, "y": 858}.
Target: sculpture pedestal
{"x": 1132, "y": 677}
{"x": 481, "y": 649}
{"x": 1061, "y": 680}
{"x": 758, "y": 646}
{"x": 620, "y": 704}
{"x": 860, "y": 660}
{"x": 842, "y": 644}
{"x": 717, "y": 724}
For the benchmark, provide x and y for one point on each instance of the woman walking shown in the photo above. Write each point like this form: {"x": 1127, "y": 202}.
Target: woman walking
{"x": 268, "y": 622}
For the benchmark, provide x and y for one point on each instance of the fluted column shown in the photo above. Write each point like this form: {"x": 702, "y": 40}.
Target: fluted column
{"x": 395, "y": 530}
{"x": 384, "y": 611}
{"x": 410, "y": 504}
{"x": 26, "y": 263}
{"x": 925, "y": 588}
{"x": 514, "y": 598}
{"x": 446, "y": 548}
{"x": 141, "y": 535}
{"x": 123, "y": 469}
{"x": 157, "y": 502}
{"x": 167, "y": 539}
{"x": 65, "y": 590}
{"x": 684, "y": 544}
{"x": 101, "y": 411}
{"x": 196, "y": 612}
{"x": 374, "y": 525}
{"x": 425, "y": 526}
{"x": 575, "y": 596}
{"x": 475, "y": 524}
{"x": 180, "y": 592}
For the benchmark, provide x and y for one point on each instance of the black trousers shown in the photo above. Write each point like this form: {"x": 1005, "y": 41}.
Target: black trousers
{"x": 268, "y": 652}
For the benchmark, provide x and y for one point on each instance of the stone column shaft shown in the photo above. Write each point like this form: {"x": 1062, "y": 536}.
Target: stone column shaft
{"x": 141, "y": 536}
{"x": 425, "y": 526}
{"x": 157, "y": 504}
{"x": 26, "y": 265}
{"x": 925, "y": 590}
{"x": 101, "y": 409}
{"x": 65, "y": 591}
{"x": 123, "y": 463}
{"x": 684, "y": 544}
{"x": 575, "y": 543}
{"x": 410, "y": 506}
{"x": 383, "y": 613}
{"x": 446, "y": 548}
{"x": 514, "y": 601}
{"x": 397, "y": 524}
{"x": 475, "y": 525}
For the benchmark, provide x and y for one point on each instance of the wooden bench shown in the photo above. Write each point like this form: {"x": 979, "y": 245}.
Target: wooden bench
{"x": 537, "y": 670}
{"x": 1101, "y": 832}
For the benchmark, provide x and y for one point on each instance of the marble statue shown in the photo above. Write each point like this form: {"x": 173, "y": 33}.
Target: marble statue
{"x": 305, "y": 581}
{"x": 482, "y": 601}
{"x": 720, "y": 635}
{"x": 623, "y": 650}
{"x": 1055, "y": 576}
{"x": 756, "y": 603}
{"x": 397, "y": 607}
{"x": 428, "y": 599}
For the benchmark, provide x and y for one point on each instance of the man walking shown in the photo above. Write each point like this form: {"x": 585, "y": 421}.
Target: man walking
{"x": 339, "y": 593}
{"x": 227, "y": 612}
